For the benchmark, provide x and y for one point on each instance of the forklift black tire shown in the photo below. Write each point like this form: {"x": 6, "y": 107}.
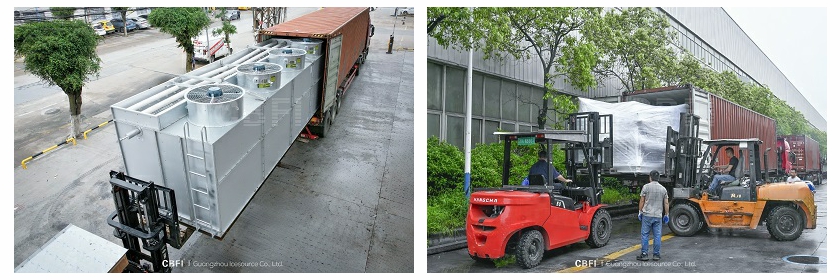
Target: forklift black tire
{"x": 599, "y": 229}
{"x": 481, "y": 260}
{"x": 530, "y": 249}
{"x": 785, "y": 223}
{"x": 685, "y": 221}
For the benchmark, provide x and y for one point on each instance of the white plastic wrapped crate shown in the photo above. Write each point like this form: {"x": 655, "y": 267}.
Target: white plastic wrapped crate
{"x": 639, "y": 131}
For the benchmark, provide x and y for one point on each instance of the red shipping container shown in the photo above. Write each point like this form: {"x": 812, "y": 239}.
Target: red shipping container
{"x": 733, "y": 121}
{"x": 352, "y": 24}
{"x": 807, "y": 153}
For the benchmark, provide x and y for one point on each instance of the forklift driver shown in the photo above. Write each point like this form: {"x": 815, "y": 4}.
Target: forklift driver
{"x": 542, "y": 166}
{"x": 727, "y": 172}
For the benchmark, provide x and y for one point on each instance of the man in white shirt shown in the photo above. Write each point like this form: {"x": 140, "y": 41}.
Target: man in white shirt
{"x": 793, "y": 177}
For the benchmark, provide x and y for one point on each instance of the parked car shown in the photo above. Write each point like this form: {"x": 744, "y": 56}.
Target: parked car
{"x": 244, "y": 8}
{"x": 109, "y": 28}
{"x": 141, "y": 23}
{"x": 119, "y": 25}
{"x": 232, "y": 14}
{"x": 406, "y": 11}
{"x": 97, "y": 27}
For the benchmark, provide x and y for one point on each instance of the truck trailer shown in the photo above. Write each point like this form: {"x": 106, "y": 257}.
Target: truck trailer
{"x": 342, "y": 35}
{"x": 214, "y": 134}
{"x": 718, "y": 119}
{"x": 806, "y": 157}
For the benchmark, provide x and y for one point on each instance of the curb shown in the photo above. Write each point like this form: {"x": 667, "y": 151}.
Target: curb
{"x": 68, "y": 140}
{"x": 445, "y": 242}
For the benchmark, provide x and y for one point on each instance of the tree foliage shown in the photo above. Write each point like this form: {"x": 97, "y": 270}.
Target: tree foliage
{"x": 635, "y": 47}
{"x": 759, "y": 98}
{"x": 183, "y": 24}
{"x": 227, "y": 28}
{"x": 546, "y": 33}
{"x": 63, "y": 12}
{"x": 60, "y": 53}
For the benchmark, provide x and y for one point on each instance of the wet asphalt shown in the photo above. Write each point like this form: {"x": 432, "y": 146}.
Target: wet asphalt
{"x": 713, "y": 251}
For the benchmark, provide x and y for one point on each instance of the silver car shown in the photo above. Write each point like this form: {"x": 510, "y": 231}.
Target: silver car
{"x": 141, "y": 23}
{"x": 98, "y": 29}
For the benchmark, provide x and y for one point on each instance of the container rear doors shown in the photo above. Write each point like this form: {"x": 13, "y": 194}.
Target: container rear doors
{"x": 331, "y": 83}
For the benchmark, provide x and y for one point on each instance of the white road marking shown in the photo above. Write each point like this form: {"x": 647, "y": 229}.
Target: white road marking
{"x": 36, "y": 110}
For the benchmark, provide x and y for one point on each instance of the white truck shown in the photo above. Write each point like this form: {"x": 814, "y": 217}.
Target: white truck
{"x": 209, "y": 52}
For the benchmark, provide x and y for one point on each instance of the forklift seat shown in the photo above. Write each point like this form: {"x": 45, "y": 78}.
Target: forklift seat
{"x": 557, "y": 199}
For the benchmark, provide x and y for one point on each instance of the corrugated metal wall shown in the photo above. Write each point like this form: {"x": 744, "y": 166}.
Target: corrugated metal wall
{"x": 731, "y": 121}
{"x": 524, "y": 70}
{"x": 718, "y": 29}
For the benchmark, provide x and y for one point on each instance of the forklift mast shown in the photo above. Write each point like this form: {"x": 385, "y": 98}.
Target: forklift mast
{"x": 146, "y": 219}
{"x": 593, "y": 156}
{"x": 682, "y": 152}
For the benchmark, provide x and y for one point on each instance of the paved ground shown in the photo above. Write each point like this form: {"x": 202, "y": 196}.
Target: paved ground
{"x": 338, "y": 204}
{"x": 707, "y": 252}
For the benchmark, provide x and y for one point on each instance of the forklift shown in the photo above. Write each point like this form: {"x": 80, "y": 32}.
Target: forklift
{"x": 525, "y": 221}
{"x": 146, "y": 220}
{"x": 745, "y": 203}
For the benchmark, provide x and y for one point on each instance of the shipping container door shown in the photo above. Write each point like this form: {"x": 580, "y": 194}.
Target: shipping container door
{"x": 333, "y": 61}
{"x": 702, "y": 108}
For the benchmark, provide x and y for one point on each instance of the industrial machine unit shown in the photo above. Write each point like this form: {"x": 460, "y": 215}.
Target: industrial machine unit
{"x": 214, "y": 134}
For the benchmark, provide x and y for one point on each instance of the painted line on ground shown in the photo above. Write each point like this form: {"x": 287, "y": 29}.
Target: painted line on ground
{"x": 615, "y": 255}
{"x": 45, "y": 107}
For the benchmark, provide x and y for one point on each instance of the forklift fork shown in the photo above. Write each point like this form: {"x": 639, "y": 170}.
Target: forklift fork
{"x": 146, "y": 219}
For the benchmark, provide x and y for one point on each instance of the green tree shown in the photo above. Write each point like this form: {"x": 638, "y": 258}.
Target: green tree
{"x": 759, "y": 98}
{"x": 63, "y": 12}
{"x": 547, "y": 33}
{"x": 227, "y": 28}
{"x": 60, "y": 53}
{"x": 634, "y": 45}
{"x": 183, "y": 24}
{"x": 122, "y": 11}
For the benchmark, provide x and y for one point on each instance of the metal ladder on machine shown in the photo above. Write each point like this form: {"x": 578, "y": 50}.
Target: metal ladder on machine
{"x": 194, "y": 177}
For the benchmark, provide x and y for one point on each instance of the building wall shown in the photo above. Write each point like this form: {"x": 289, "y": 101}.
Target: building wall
{"x": 498, "y": 104}
{"x": 709, "y": 34}
{"x": 716, "y": 28}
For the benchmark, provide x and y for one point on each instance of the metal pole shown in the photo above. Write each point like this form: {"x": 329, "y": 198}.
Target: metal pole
{"x": 468, "y": 120}
{"x": 391, "y": 40}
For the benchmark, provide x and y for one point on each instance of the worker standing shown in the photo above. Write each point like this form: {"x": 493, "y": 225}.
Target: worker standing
{"x": 654, "y": 199}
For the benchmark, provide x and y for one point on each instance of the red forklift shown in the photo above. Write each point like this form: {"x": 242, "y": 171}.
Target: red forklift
{"x": 527, "y": 220}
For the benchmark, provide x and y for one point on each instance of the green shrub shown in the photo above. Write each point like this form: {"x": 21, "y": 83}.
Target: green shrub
{"x": 487, "y": 160}
{"x": 445, "y": 167}
{"x": 446, "y": 211}
{"x": 617, "y": 193}
{"x": 504, "y": 261}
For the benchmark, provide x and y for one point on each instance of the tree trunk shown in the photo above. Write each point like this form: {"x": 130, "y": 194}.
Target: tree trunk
{"x": 541, "y": 118}
{"x": 190, "y": 61}
{"x": 75, "y": 114}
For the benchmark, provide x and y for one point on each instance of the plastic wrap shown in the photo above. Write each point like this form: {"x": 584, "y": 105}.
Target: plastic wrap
{"x": 639, "y": 131}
